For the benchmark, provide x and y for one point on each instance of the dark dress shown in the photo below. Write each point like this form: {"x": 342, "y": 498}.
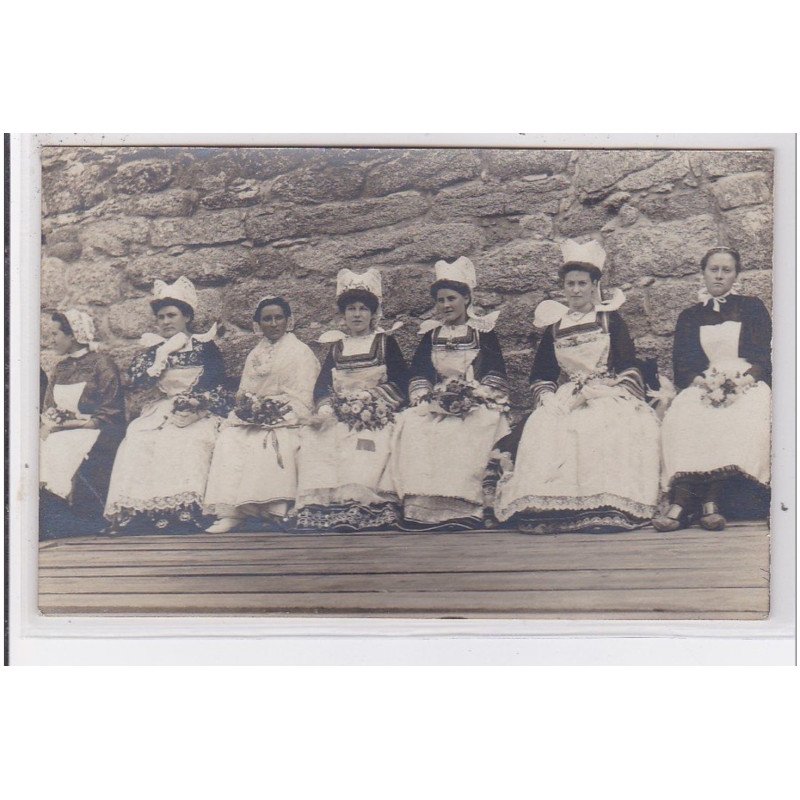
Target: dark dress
{"x": 705, "y": 457}
{"x": 101, "y": 399}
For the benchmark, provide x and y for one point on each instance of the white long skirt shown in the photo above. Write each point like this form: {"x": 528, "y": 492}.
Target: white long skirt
{"x": 161, "y": 471}
{"x": 594, "y": 467}
{"x": 439, "y": 463}
{"x": 253, "y": 471}
{"x": 344, "y": 478}
{"x": 703, "y": 441}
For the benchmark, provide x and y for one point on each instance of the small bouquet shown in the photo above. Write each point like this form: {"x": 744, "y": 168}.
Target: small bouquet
{"x": 583, "y": 379}
{"x": 720, "y": 388}
{"x": 362, "y": 411}
{"x": 215, "y": 401}
{"x": 455, "y": 397}
{"x": 263, "y": 412}
{"x": 190, "y": 403}
{"x": 57, "y": 416}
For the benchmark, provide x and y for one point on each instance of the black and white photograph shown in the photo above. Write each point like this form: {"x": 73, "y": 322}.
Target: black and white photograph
{"x": 405, "y": 382}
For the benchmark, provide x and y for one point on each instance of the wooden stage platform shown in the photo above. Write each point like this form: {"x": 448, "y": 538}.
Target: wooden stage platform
{"x": 689, "y": 574}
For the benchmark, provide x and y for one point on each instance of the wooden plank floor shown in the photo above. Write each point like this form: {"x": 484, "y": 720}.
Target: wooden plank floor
{"x": 690, "y": 574}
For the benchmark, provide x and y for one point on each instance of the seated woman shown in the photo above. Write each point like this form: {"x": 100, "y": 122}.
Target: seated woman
{"x": 588, "y": 456}
{"x": 83, "y": 422}
{"x": 716, "y": 433}
{"x": 459, "y": 396}
{"x": 254, "y": 469}
{"x": 161, "y": 469}
{"x": 344, "y": 482}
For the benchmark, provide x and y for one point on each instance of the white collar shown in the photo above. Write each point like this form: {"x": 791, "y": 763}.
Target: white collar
{"x": 705, "y": 297}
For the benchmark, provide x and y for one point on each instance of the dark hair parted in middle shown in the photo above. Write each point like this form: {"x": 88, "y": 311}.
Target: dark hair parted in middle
{"x": 580, "y": 266}
{"x": 737, "y": 259}
{"x": 63, "y": 323}
{"x": 184, "y": 308}
{"x": 357, "y": 296}
{"x": 272, "y": 301}
{"x": 456, "y": 286}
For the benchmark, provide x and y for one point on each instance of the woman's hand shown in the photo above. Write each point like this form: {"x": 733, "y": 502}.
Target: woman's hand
{"x": 324, "y": 418}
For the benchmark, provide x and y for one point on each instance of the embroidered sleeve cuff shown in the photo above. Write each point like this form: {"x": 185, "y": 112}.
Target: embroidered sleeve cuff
{"x": 496, "y": 382}
{"x": 419, "y": 388}
{"x": 631, "y": 380}
{"x": 541, "y": 388}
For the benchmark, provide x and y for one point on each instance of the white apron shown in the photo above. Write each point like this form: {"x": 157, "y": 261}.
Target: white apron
{"x": 604, "y": 453}
{"x": 62, "y": 453}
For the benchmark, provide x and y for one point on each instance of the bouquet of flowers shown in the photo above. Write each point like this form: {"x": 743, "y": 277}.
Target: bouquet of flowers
{"x": 455, "y": 397}
{"x": 263, "y": 412}
{"x": 57, "y": 416}
{"x": 362, "y": 411}
{"x": 719, "y": 388}
{"x": 215, "y": 401}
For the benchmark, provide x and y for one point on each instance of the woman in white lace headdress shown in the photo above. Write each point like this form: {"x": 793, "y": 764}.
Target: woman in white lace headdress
{"x": 716, "y": 434}
{"x": 440, "y": 451}
{"x": 83, "y": 422}
{"x": 588, "y": 455}
{"x": 161, "y": 469}
{"x": 254, "y": 469}
{"x": 345, "y": 482}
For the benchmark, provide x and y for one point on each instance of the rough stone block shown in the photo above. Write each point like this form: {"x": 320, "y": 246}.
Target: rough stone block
{"x": 516, "y": 163}
{"x": 749, "y": 230}
{"x": 583, "y": 218}
{"x": 358, "y": 215}
{"x": 203, "y": 266}
{"x": 204, "y": 227}
{"x": 406, "y": 291}
{"x": 169, "y": 203}
{"x": 597, "y": 171}
{"x": 748, "y": 189}
{"x": 758, "y": 283}
{"x": 537, "y": 224}
{"x": 521, "y": 266}
{"x": 147, "y": 175}
{"x": 418, "y": 243}
{"x": 67, "y": 251}
{"x": 317, "y": 184}
{"x": 669, "y": 169}
{"x": 53, "y": 282}
{"x": 422, "y": 169}
{"x": 515, "y": 323}
{"x": 96, "y": 282}
{"x": 676, "y": 205}
{"x": 235, "y": 194}
{"x": 668, "y": 249}
{"x": 664, "y": 300}
{"x": 716, "y": 163}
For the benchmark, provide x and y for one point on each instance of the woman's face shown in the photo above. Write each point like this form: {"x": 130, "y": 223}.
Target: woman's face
{"x": 578, "y": 287}
{"x": 273, "y": 322}
{"x": 357, "y": 318}
{"x": 719, "y": 274}
{"x": 62, "y": 342}
{"x": 171, "y": 320}
{"x": 452, "y": 306}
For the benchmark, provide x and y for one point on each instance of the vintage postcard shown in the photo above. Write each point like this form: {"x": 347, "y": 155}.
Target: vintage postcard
{"x": 453, "y": 382}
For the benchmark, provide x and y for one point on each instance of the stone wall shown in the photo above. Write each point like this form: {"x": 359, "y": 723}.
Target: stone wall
{"x": 244, "y": 222}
